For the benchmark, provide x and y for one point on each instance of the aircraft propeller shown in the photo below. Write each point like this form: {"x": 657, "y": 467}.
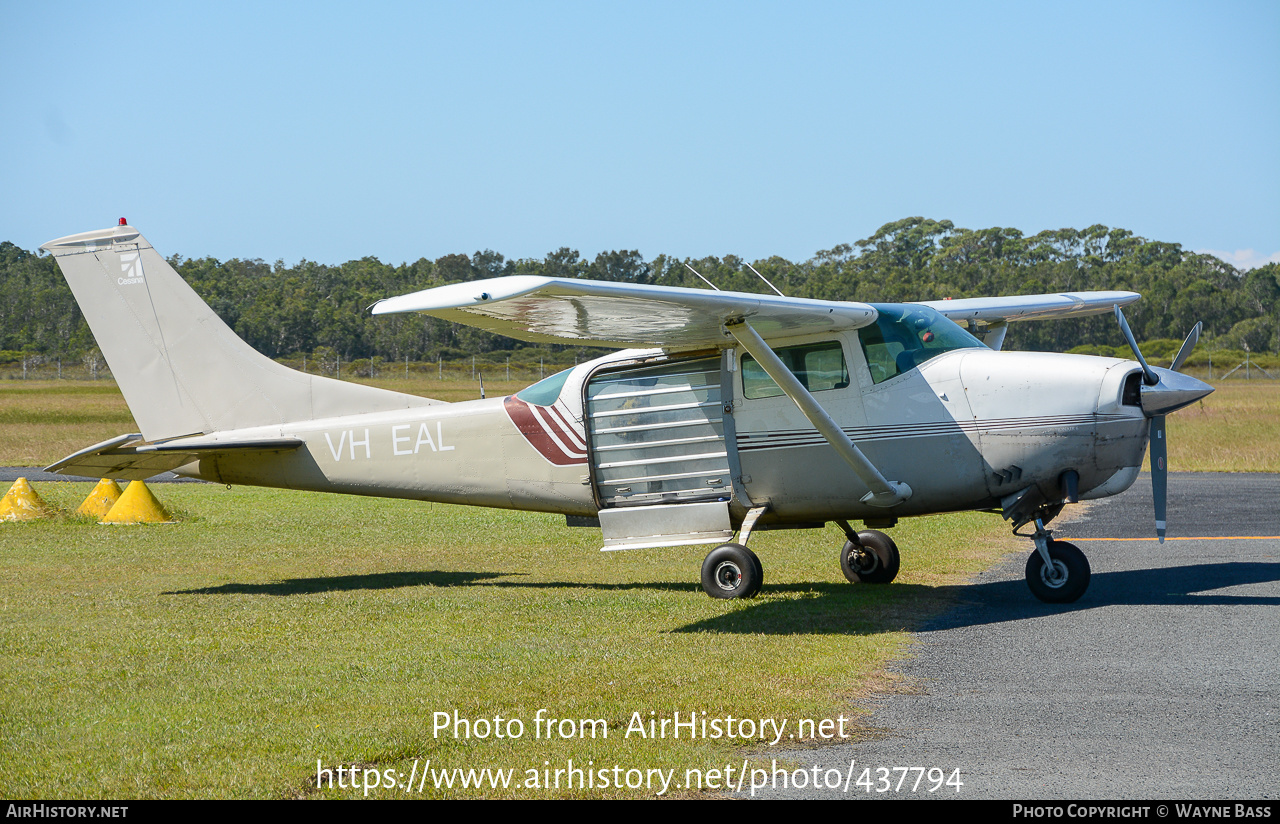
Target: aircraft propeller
{"x": 1163, "y": 391}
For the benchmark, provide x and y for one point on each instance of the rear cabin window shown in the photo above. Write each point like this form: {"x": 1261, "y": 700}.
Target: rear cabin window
{"x": 546, "y": 391}
{"x": 818, "y": 366}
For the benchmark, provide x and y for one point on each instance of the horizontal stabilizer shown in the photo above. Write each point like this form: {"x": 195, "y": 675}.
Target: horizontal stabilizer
{"x": 559, "y": 310}
{"x": 129, "y": 457}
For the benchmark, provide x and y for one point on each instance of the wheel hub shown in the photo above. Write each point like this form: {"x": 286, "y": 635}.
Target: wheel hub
{"x": 728, "y": 576}
{"x": 1054, "y": 576}
{"x": 866, "y": 561}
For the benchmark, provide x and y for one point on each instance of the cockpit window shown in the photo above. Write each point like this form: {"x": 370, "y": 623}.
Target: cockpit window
{"x": 545, "y": 391}
{"x": 819, "y": 366}
{"x": 906, "y": 335}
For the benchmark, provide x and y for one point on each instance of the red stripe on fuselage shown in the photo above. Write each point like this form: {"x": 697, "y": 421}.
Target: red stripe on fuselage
{"x": 556, "y": 429}
{"x": 536, "y": 434}
{"x": 576, "y": 441}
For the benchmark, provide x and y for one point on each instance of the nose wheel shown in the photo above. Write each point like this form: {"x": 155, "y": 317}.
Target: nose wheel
{"x": 1057, "y": 572}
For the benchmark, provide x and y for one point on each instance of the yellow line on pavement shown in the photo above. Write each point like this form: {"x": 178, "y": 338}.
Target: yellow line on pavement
{"x": 1213, "y": 538}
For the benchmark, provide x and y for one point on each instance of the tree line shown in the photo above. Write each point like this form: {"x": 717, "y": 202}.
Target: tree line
{"x": 318, "y": 310}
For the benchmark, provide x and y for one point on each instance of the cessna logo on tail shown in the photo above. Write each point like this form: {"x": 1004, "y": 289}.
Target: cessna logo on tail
{"x": 131, "y": 265}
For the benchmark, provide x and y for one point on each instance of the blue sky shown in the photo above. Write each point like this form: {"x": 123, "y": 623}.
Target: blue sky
{"x": 405, "y": 130}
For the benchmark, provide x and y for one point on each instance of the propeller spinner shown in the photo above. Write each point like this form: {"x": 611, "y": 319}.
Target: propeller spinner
{"x": 1163, "y": 391}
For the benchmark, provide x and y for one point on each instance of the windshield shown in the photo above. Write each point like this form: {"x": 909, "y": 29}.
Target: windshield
{"x": 906, "y": 335}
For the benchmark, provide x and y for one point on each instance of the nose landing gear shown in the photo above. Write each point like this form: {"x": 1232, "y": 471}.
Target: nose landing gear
{"x": 1057, "y": 572}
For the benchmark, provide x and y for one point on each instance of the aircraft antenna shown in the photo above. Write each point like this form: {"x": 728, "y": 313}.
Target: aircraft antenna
{"x": 704, "y": 280}
{"x": 766, "y": 281}
{"x": 482, "y": 385}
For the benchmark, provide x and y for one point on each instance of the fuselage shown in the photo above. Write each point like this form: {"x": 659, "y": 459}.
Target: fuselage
{"x": 964, "y": 429}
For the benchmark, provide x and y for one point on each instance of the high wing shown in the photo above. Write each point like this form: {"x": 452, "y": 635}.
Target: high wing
{"x": 989, "y": 318}
{"x": 623, "y": 315}
{"x": 556, "y": 310}
{"x": 1031, "y": 307}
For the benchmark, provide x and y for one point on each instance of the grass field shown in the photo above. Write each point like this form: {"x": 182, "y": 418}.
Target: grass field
{"x": 1236, "y": 429}
{"x": 42, "y": 421}
{"x": 224, "y": 655}
{"x": 268, "y": 631}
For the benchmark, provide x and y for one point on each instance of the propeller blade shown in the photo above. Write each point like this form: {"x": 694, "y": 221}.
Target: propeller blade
{"x": 1187, "y": 346}
{"x": 1149, "y": 377}
{"x": 1159, "y": 473}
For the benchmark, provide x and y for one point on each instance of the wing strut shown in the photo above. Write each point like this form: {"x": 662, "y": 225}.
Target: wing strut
{"x": 883, "y": 492}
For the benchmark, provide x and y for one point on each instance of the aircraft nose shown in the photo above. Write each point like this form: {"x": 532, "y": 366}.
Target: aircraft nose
{"x": 1173, "y": 391}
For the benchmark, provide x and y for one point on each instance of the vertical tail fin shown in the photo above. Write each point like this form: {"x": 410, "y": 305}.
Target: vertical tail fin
{"x": 181, "y": 369}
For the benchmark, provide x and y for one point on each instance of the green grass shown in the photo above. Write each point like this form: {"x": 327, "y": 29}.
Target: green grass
{"x": 42, "y": 421}
{"x": 1236, "y": 429}
{"x": 224, "y": 655}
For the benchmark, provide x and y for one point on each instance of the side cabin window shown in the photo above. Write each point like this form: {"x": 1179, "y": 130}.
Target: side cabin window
{"x": 818, "y": 366}
{"x": 906, "y": 335}
{"x": 546, "y": 391}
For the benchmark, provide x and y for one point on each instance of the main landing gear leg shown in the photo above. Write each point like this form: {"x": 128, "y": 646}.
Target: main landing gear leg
{"x": 1057, "y": 572}
{"x": 732, "y": 570}
{"x": 868, "y": 557}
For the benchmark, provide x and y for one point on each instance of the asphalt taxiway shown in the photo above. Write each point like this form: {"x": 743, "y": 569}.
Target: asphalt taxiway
{"x": 1161, "y": 682}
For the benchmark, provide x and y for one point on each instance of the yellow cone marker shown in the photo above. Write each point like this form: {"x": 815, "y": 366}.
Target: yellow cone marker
{"x": 137, "y": 506}
{"x": 21, "y": 503}
{"x": 100, "y": 500}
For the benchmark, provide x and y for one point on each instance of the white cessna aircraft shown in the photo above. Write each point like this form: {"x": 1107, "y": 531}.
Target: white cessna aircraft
{"x": 742, "y": 412}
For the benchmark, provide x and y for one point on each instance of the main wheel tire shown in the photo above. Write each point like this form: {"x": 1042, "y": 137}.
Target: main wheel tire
{"x": 1068, "y": 579}
{"x": 876, "y": 562}
{"x": 732, "y": 571}
{"x": 755, "y": 560}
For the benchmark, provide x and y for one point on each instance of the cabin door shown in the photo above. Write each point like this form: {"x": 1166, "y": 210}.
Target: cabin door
{"x": 657, "y": 434}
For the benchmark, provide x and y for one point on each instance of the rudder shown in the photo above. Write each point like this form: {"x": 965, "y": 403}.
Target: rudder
{"x": 181, "y": 369}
